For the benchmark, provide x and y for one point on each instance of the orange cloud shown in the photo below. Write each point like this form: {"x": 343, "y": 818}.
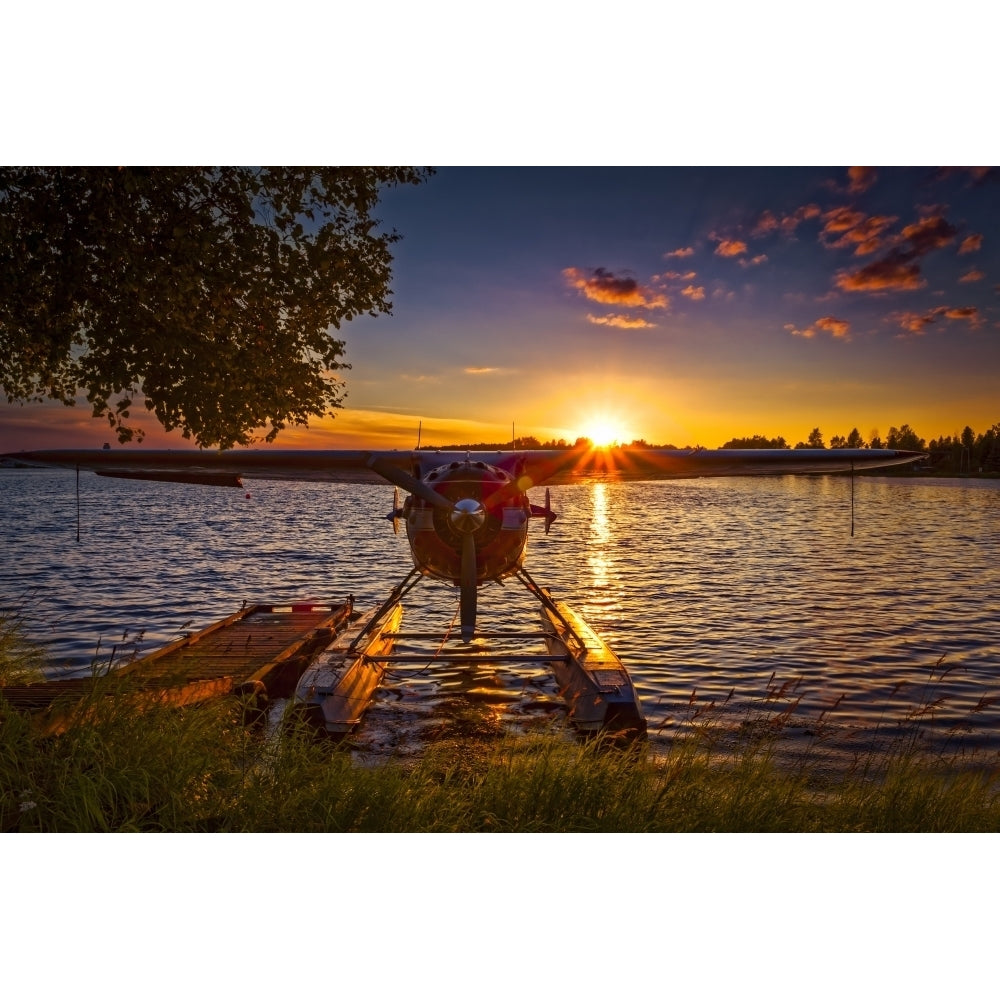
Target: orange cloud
{"x": 621, "y": 321}
{"x": 696, "y": 294}
{"x": 860, "y": 179}
{"x": 970, "y": 314}
{"x": 808, "y": 332}
{"x": 731, "y": 248}
{"x": 974, "y": 275}
{"x": 603, "y": 286}
{"x": 930, "y": 233}
{"x": 840, "y": 220}
{"x": 682, "y": 252}
{"x": 761, "y": 258}
{"x": 839, "y": 328}
{"x": 971, "y": 243}
{"x": 891, "y": 274}
{"x": 896, "y": 271}
{"x": 487, "y": 371}
{"x": 767, "y": 223}
{"x": 791, "y": 222}
{"x": 916, "y": 323}
{"x": 865, "y": 234}
{"x": 678, "y": 276}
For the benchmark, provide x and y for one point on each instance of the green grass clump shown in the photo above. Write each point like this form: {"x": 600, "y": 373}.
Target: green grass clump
{"x": 201, "y": 768}
{"x": 21, "y": 661}
{"x": 913, "y": 795}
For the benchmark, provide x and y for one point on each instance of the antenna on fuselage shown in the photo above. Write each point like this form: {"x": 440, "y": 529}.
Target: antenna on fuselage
{"x": 420, "y": 427}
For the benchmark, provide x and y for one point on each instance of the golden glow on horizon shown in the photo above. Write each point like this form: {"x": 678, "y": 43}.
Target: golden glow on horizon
{"x": 604, "y": 431}
{"x": 708, "y": 415}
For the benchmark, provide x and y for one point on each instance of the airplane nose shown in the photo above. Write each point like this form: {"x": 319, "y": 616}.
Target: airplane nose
{"x": 467, "y": 515}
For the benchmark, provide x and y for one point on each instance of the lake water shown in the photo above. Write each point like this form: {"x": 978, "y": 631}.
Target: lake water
{"x": 728, "y": 599}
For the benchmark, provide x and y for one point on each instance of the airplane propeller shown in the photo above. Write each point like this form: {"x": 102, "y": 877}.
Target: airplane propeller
{"x": 394, "y": 516}
{"x": 466, "y": 516}
{"x": 411, "y": 484}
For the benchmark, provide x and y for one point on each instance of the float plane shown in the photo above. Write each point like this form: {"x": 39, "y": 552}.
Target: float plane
{"x": 467, "y": 513}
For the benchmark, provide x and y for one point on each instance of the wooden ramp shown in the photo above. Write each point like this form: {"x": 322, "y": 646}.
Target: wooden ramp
{"x": 261, "y": 651}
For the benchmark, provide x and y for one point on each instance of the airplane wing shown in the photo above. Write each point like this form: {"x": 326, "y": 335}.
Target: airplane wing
{"x": 530, "y": 468}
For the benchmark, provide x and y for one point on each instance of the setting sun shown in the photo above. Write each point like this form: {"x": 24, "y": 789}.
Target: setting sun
{"x": 604, "y": 431}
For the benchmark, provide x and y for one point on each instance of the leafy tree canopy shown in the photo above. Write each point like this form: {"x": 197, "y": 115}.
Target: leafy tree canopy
{"x": 209, "y": 293}
{"x": 904, "y": 438}
{"x": 756, "y": 441}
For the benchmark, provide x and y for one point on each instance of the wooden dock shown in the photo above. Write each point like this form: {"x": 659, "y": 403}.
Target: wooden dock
{"x": 329, "y": 661}
{"x": 261, "y": 651}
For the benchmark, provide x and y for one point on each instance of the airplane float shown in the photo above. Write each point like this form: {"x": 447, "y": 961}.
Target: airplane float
{"x": 466, "y": 516}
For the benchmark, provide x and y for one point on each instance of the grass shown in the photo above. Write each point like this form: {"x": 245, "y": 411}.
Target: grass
{"x": 201, "y": 769}
{"x": 21, "y": 661}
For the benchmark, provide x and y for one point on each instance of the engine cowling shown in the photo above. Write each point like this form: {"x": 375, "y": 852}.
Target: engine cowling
{"x": 499, "y": 528}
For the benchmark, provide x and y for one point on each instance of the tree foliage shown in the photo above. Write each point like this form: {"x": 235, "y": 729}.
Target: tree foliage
{"x": 208, "y": 293}
{"x": 968, "y": 452}
{"x": 905, "y": 438}
{"x": 757, "y": 441}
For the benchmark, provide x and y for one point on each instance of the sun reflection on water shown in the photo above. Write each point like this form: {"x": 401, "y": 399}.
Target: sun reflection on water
{"x": 600, "y": 537}
{"x": 602, "y": 582}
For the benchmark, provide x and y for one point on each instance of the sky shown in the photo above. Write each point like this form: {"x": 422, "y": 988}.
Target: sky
{"x": 675, "y": 305}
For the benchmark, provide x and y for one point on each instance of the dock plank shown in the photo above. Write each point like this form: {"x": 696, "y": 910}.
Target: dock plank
{"x": 260, "y": 650}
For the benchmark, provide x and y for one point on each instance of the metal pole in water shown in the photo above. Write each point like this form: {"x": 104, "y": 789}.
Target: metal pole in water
{"x": 852, "y": 498}
{"x": 78, "y": 503}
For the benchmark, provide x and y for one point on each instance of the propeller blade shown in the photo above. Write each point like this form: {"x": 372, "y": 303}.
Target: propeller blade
{"x": 520, "y": 484}
{"x": 467, "y": 595}
{"x": 550, "y": 465}
{"x": 503, "y": 494}
{"x": 407, "y": 482}
{"x": 395, "y": 510}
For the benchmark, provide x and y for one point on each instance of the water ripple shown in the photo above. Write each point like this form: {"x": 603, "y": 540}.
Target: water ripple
{"x": 706, "y": 588}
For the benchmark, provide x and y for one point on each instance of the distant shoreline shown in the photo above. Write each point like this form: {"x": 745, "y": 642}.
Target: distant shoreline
{"x": 891, "y": 472}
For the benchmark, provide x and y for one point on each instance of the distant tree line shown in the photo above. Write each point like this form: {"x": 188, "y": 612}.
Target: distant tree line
{"x": 526, "y": 443}
{"x": 903, "y": 438}
{"x": 530, "y": 443}
{"x": 967, "y": 452}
